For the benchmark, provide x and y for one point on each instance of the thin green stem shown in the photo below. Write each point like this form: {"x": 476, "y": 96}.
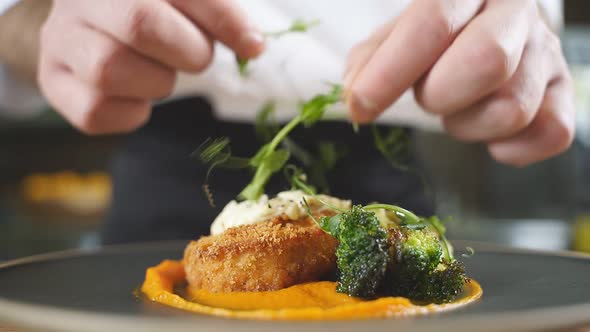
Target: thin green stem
{"x": 405, "y": 215}
{"x": 284, "y": 132}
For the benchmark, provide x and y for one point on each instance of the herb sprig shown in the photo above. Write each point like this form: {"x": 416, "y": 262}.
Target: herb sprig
{"x": 394, "y": 146}
{"x": 270, "y": 158}
{"x": 298, "y": 26}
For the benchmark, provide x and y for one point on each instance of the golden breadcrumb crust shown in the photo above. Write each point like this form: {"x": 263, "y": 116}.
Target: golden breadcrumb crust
{"x": 265, "y": 256}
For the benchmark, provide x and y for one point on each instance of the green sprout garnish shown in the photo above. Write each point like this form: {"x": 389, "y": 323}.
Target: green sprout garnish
{"x": 298, "y": 180}
{"x": 269, "y": 159}
{"x": 217, "y": 153}
{"x": 470, "y": 252}
{"x": 316, "y": 163}
{"x": 298, "y": 26}
{"x": 394, "y": 146}
{"x": 242, "y": 66}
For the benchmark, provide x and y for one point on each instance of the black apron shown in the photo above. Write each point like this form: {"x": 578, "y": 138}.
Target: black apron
{"x": 158, "y": 188}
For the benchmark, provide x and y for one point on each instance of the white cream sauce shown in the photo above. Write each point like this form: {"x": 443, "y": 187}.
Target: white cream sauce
{"x": 288, "y": 203}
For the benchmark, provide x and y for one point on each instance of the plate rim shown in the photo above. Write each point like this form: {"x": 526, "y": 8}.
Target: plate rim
{"x": 138, "y": 246}
{"x": 11, "y": 310}
{"x": 45, "y": 318}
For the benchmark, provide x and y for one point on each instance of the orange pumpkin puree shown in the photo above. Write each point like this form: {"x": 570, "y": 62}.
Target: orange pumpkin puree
{"x": 310, "y": 301}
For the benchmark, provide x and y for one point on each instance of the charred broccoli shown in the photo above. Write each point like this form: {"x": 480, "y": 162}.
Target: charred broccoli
{"x": 363, "y": 255}
{"x": 418, "y": 249}
{"x": 400, "y": 255}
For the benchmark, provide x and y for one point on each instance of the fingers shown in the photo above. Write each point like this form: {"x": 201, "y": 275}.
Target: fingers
{"x": 531, "y": 117}
{"x": 361, "y": 53}
{"x": 153, "y": 28}
{"x": 551, "y": 132}
{"x": 110, "y": 67}
{"x": 103, "y": 61}
{"x": 508, "y": 110}
{"x": 495, "y": 73}
{"x": 418, "y": 39}
{"x": 226, "y": 22}
{"x": 86, "y": 108}
{"x": 481, "y": 60}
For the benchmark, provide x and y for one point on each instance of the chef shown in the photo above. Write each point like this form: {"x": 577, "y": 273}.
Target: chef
{"x": 164, "y": 72}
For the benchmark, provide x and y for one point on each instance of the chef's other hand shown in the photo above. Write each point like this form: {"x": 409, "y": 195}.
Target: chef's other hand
{"x": 492, "y": 69}
{"x": 103, "y": 62}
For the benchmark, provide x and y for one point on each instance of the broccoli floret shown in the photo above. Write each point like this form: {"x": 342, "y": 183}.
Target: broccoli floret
{"x": 420, "y": 271}
{"x": 363, "y": 255}
{"x": 446, "y": 282}
{"x": 408, "y": 256}
{"x": 438, "y": 286}
{"x": 419, "y": 250}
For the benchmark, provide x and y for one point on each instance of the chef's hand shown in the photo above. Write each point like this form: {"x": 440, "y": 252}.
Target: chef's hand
{"x": 492, "y": 69}
{"x": 103, "y": 62}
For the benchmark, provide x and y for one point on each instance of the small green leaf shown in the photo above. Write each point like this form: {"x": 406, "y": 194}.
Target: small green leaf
{"x": 298, "y": 180}
{"x": 260, "y": 156}
{"x": 331, "y": 225}
{"x": 277, "y": 160}
{"x": 268, "y": 160}
{"x": 394, "y": 146}
{"x": 270, "y": 164}
{"x": 298, "y": 25}
{"x": 242, "y": 66}
{"x": 313, "y": 110}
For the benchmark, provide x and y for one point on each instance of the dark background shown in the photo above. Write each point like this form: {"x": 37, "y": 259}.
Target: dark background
{"x": 577, "y": 11}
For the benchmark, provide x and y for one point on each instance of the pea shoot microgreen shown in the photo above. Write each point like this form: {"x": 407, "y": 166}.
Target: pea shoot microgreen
{"x": 271, "y": 157}
{"x": 298, "y": 26}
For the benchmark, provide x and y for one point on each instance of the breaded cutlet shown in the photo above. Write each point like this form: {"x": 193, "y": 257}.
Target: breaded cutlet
{"x": 265, "y": 256}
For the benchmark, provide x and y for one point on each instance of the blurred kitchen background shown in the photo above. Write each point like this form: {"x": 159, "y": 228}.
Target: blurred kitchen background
{"x": 55, "y": 188}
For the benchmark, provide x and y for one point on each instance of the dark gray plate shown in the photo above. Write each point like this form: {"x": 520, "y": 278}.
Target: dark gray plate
{"x": 94, "y": 291}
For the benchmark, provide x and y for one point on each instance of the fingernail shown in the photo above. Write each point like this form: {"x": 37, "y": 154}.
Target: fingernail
{"x": 253, "y": 37}
{"x": 366, "y": 105}
{"x": 363, "y": 110}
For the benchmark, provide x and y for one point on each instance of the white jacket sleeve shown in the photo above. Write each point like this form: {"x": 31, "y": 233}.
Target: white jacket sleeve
{"x": 297, "y": 66}
{"x": 18, "y": 99}
{"x": 553, "y": 10}
{"x": 5, "y": 4}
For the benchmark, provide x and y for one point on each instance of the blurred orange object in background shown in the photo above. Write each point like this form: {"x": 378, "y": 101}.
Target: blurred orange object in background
{"x": 82, "y": 194}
